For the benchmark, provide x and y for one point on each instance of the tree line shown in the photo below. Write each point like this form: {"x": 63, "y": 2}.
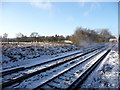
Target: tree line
{"x": 34, "y": 37}
{"x": 81, "y": 36}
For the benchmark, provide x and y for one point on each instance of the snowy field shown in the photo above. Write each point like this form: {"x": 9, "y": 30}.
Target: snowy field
{"x": 17, "y": 55}
{"x": 25, "y": 55}
{"x": 45, "y": 76}
{"x": 106, "y": 74}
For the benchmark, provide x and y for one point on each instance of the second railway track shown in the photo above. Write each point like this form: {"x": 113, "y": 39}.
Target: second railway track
{"x": 72, "y": 78}
{"x": 14, "y": 70}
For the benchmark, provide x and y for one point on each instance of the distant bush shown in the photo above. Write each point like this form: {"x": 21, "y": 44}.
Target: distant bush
{"x": 84, "y": 36}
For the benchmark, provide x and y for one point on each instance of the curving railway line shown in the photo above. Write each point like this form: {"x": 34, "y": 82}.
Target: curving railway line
{"x": 73, "y": 77}
{"x": 61, "y": 73}
{"x": 8, "y": 72}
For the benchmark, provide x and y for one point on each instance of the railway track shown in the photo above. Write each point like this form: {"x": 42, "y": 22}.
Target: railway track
{"x": 49, "y": 67}
{"x": 7, "y": 72}
{"x": 72, "y": 78}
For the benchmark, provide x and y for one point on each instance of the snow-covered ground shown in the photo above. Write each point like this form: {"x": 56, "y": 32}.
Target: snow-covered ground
{"x": 106, "y": 74}
{"x": 45, "y": 76}
{"x": 17, "y": 55}
{"x": 27, "y": 55}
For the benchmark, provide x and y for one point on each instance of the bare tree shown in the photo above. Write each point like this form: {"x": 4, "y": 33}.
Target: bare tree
{"x": 105, "y": 34}
{"x": 5, "y": 35}
{"x": 34, "y": 36}
{"x": 84, "y": 36}
{"x": 19, "y": 37}
{"x": 81, "y": 36}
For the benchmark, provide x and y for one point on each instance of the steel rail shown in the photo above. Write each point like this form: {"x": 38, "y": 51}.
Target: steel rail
{"x": 52, "y": 79}
{"x": 8, "y": 83}
{"x": 6, "y": 72}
